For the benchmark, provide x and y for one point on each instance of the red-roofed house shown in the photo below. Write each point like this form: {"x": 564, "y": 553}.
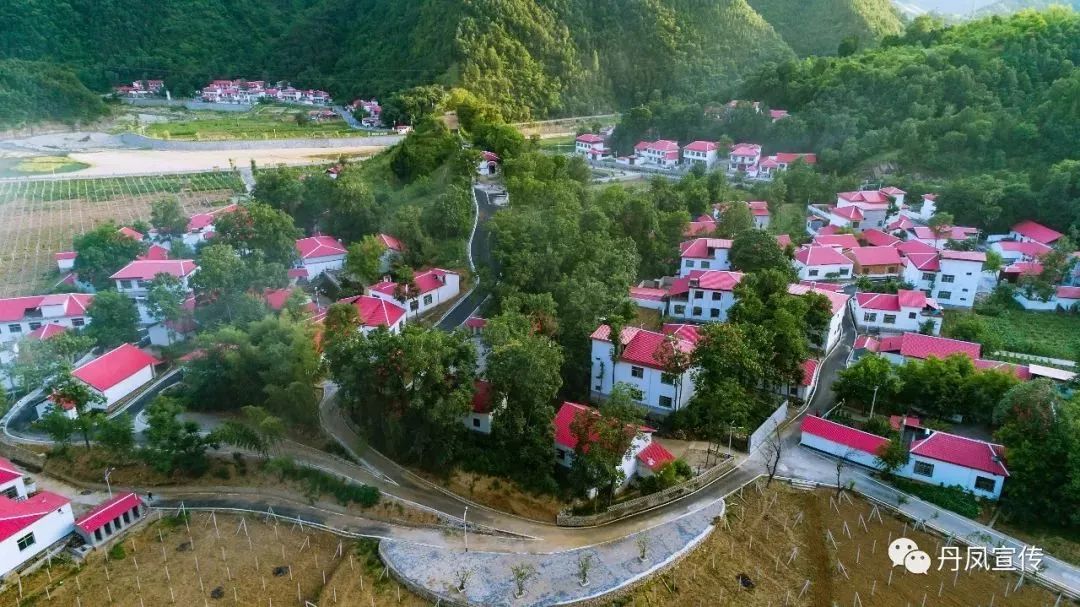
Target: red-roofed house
{"x": 703, "y": 295}
{"x": 642, "y": 363}
{"x": 13, "y": 483}
{"x": 131, "y": 233}
{"x": 592, "y": 147}
{"x": 899, "y": 349}
{"x": 838, "y": 302}
{"x": 134, "y": 280}
{"x": 432, "y": 288}
{"x": 488, "y": 164}
{"x": 1063, "y": 297}
{"x": 770, "y": 166}
{"x": 30, "y": 525}
{"x": 65, "y": 260}
{"x": 822, "y": 263}
{"x": 896, "y": 313}
{"x": 45, "y": 332}
{"x": 566, "y": 442}
{"x": 947, "y": 459}
{"x": 650, "y": 298}
{"x": 700, "y": 152}
{"x": 876, "y": 262}
{"x": 877, "y": 238}
{"x": 117, "y": 373}
{"x": 21, "y": 315}
{"x": 392, "y": 252}
{"x": 1030, "y": 231}
{"x": 704, "y": 225}
{"x": 484, "y": 408}
{"x": 320, "y": 253}
{"x": 744, "y": 157}
{"x": 662, "y": 153}
{"x": 837, "y": 241}
{"x": 945, "y": 234}
{"x": 201, "y": 225}
{"x": 841, "y": 441}
{"x": 704, "y": 254}
{"x": 1012, "y": 251}
{"x": 154, "y": 252}
{"x": 759, "y": 209}
{"x": 811, "y": 368}
{"x": 105, "y": 521}
{"x": 951, "y": 276}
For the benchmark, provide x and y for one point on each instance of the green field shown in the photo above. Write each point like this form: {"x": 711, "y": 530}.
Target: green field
{"x": 1039, "y": 333}
{"x": 264, "y": 122}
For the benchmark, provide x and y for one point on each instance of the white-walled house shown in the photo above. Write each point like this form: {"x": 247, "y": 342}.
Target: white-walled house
{"x": 943, "y": 236}
{"x": 662, "y": 153}
{"x": 592, "y": 147}
{"x": 641, "y": 459}
{"x": 744, "y": 157}
{"x": 898, "y": 349}
{"x": 319, "y": 254}
{"x": 1013, "y": 251}
{"x": 1030, "y": 231}
{"x": 939, "y": 458}
{"x": 433, "y": 288}
{"x": 20, "y": 316}
{"x": 876, "y": 262}
{"x": 108, "y": 519}
{"x": 484, "y": 409}
{"x": 118, "y": 373}
{"x": 700, "y": 153}
{"x": 838, "y": 302}
{"x": 822, "y": 263}
{"x": 392, "y": 252}
{"x": 901, "y": 312}
{"x": 1065, "y": 298}
{"x": 31, "y": 525}
{"x": 759, "y": 209}
{"x": 641, "y": 365}
{"x": 703, "y": 295}
{"x": 134, "y": 280}
{"x": 952, "y": 277}
{"x": 704, "y": 254}
{"x": 200, "y": 226}
{"x": 65, "y": 260}
{"x": 372, "y": 313}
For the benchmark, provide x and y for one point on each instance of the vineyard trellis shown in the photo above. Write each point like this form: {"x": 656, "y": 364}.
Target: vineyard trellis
{"x": 40, "y": 217}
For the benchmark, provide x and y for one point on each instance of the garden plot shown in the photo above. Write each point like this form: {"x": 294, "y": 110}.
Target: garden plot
{"x": 815, "y": 549}
{"x": 216, "y": 559}
{"x": 39, "y": 218}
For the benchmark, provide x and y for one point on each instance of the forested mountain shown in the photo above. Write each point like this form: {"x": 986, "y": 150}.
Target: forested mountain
{"x": 33, "y": 91}
{"x": 816, "y": 28}
{"x": 1005, "y": 7}
{"x": 529, "y": 57}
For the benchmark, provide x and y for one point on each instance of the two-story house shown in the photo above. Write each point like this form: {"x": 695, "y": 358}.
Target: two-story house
{"x": 951, "y": 277}
{"x": 642, "y": 457}
{"x": 838, "y": 302}
{"x": 645, "y": 362}
{"x": 33, "y": 521}
{"x": 200, "y": 226}
{"x": 898, "y": 312}
{"x": 1031, "y": 231}
{"x": 704, "y": 254}
{"x": 429, "y": 289}
{"x": 134, "y": 279}
{"x": 744, "y": 157}
{"x": 662, "y": 153}
{"x": 876, "y": 262}
{"x": 822, "y": 263}
{"x": 703, "y": 295}
{"x": 759, "y": 209}
{"x": 20, "y": 316}
{"x": 700, "y": 153}
{"x": 592, "y": 147}
{"x": 371, "y": 313}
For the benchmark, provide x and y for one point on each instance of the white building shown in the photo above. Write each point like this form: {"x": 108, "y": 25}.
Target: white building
{"x": 432, "y": 288}
{"x": 1065, "y": 298}
{"x": 700, "y": 153}
{"x": 392, "y": 252}
{"x": 108, "y": 519}
{"x": 484, "y": 409}
{"x": 662, "y": 153}
{"x": 838, "y": 302}
{"x": 19, "y": 316}
{"x": 642, "y": 458}
{"x": 952, "y": 277}
{"x": 822, "y": 263}
{"x": 320, "y": 253}
{"x": 641, "y": 365}
{"x": 759, "y": 209}
{"x": 201, "y": 225}
{"x": 744, "y": 157}
{"x": 591, "y": 146}
{"x": 134, "y": 280}
{"x": 943, "y": 236}
{"x": 1013, "y": 251}
{"x": 65, "y": 260}
{"x": 118, "y": 373}
{"x": 703, "y": 295}
{"x": 901, "y": 312}
{"x": 32, "y": 521}
{"x": 1030, "y": 231}
{"x": 704, "y": 254}
{"x": 488, "y": 164}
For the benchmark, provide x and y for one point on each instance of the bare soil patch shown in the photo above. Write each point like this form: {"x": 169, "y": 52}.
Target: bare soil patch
{"x": 500, "y": 494}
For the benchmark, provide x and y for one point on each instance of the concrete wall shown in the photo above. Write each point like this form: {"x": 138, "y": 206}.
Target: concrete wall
{"x": 478, "y": 422}
{"x": 7, "y": 335}
{"x": 711, "y": 310}
{"x": 827, "y": 446}
{"x": 761, "y": 435}
{"x": 823, "y": 272}
{"x": 47, "y": 530}
{"x": 318, "y": 265}
{"x": 950, "y": 474}
{"x": 718, "y": 262}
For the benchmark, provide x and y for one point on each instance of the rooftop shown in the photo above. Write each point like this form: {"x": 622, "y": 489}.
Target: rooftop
{"x": 843, "y": 435}
{"x": 962, "y": 451}
{"x": 147, "y": 269}
{"x": 114, "y": 366}
{"x": 319, "y": 246}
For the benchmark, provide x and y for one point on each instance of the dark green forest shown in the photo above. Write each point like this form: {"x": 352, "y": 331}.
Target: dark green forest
{"x": 531, "y": 59}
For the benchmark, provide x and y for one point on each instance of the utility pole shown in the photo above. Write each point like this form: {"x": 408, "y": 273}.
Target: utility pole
{"x": 465, "y": 522}
{"x": 108, "y": 473}
{"x": 873, "y": 402}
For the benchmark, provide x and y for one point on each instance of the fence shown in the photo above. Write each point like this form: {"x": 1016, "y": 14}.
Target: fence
{"x": 759, "y": 436}
{"x": 567, "y": 519}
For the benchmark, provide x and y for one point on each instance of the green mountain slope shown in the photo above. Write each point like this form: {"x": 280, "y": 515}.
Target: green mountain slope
{"x": 1005, "y": 7}
{"x": 816, "y": 27}
{"x": 32, "y": 91}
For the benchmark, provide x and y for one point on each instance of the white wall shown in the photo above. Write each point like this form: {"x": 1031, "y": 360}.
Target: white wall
{"x": 718, "y": 262}
{"x": 47, "y": 530}
{"x": 7, "y": 335}
{"x": 712, "y": 310}
{"x": 950, "y": 474}
{"x": 1035, "y": 304}
{"x": 821, "y": 444}
{"x": 160, "y": 335}
{"x": 650, "y": 384}
{"x": 902, "y": 324}
{"x": 823, "y": 271}
{"x": 836, "y": 329}
{"x": 478, "y": 422}
{"x": 318, "y": 265}
{"x": 651, "y": 304}
{"x": 129, "y": 385}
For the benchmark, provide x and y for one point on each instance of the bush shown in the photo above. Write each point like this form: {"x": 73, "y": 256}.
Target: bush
{"x": 879, "y": 425}
{"x": 117, "y": 553}
{"x": 954, "y": 498}
{"x": 222, "y": 472}
{"x": 318, "y": 483}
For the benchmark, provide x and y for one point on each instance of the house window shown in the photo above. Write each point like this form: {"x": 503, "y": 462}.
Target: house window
{"x": 891, "y": 270}
{"x": 928, "y": 276}
{"x": 414, "y": 305}
{"x": 26, "y": 541}
{"x": 699, "y": 294}
{"x": 560, "y": 454}
{"x": 890, "y": 319}
{"x": 665, "y": 402}
{"x": 911, "y": 315}
{"x": 667, "y": 378}
{"x": 813, "y": 272}
{"x": 475, "y": 422}
{"x": 704, "y": 265}
{"x": 985, "y": 484}
{"x": 944, "y": 294}
{"x": 680, "y": 310}
{"x": 843, "y": 271}
{"x": 11, "y": 493}
{"x": 714, "y": 313}
{"x": 14, "y": 328}
{"x": 127, "y": 284}
{"x": 947, "y": 278}
{"x": 427, "y": 300}
{"x": 638, "y": 372}
{"x": 97, "y": 534}
{"x": 697, "y": 310}
{"x": 869, "y": 317}
{"x": 35, "y": 325}
{"x": 924, "y": 469}
{"x": 689, "y": 263}
{"x": 717, "y": 295}
{"x": 77, "y": 322}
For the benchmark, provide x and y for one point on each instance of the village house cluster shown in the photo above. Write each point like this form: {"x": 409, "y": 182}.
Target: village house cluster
{"x": 141, "y": 89}
{"x": 248, "y": 92}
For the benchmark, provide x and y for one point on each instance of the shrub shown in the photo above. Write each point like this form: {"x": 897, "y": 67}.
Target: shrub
{"x": 317, "y": 482}
{"x": 954, "y": 498}
{"x": 117, "y": 553}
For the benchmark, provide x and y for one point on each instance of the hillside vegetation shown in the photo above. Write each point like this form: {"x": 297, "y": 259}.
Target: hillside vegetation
{"x": 33, "y": 91}
{"x": 816, "y": 27}
{"x": 529, "y": 58}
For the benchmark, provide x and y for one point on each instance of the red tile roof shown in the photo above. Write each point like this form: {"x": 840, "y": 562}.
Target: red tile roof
{"x": 426, "y": 281}
{"x": 481, "y": 400}
{"x": 913, "y": 299}
{"x": 114, "y": 366}
{"x": 700, "y": 226}
{"x": 130, "y": 233}
{"x": 647, "y": 293}
{"x": 319, "y": 246}
{"x": 903, "y": 223}
{"x": 646, "y": 348}
{"x": 655, "y": 456}
{"x": 569, "y": 412}
{"x": 391, "y": 243}
{"x": 1068, "y": 292}
{"x": 8, "y": 471}
{"x": 820, "y": 286}
{"x": 820, "y": 256}
{"x": 962, "y": 451}
{"x": 1036, "y": 232}
{"x": 917, "y": 345}
{"x": 1024, "y": 268}
{"x": 711, "y": 280}
{"x": 978, "y": 256}
{"x": 155, "y": 252}
{"x": 829, "y": 229}
{"x": 590, "y": 138}
{"x": 897, "y": 422}
{"x": 276, "y": 298}
{"x": 745, "y": 149}
{"x": 892, "y": 191}
{"x": 877, "y": 238}
{"x": 871, "y": 196}
{"x": 662, "y": 145}
{"x": 16, "y": 516}
{"x": 876, "y": 256}
{"x": 844, "y": 241}
{"x": 475, "y": 322}
{"x": 842, "y": 435}
{"x": 912, "y": 247}
{"x": 809, "y": 371}
{"x": 700, "y": 146}
{"x": 886, "y": 302}
{"x": 199, "y": 221}
{"x": 927, "y": 262}
{"x": 850, "y": 213}
{"x": 866, "y": 342}
{"x": 1021, "y": 372}
{"x": 297, "y": 273}
{"x": 375, "y": 312}
{"x": 789, "y": 157}
{"x": 107, "y": 511}
{"x": 783, "y": 240}
{"x": 947, "y": 233}
{"x": 148, "y": 269}
{"x": 65, "y": 255}
{"x": 16, "y": 308}
{"x": 758, "y": 208}
{"x": 699, "y": 247}
{"x": 46, "y": 331}
{"x": 837, "y": 300}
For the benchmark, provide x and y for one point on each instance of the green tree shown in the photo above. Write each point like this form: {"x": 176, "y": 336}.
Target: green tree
{"x": 870, "y": 375}
{"x": 892, "y": 455}
{"x": 168, "y": 217}
{"x": 364, "y": 260}
{"x": 936, "y": 384}
{"x": 940, "y": 224}
{"x": 113, "y": 319}
{"x": 734, "y": 220}
{"x": 974, "y": 328}
{"x": 173, "y": 445}
{"x": 38, "y": 360}
{"x": 68, "y": 392}
{"x": 117, "y": 436}
{"x": 259, "y": 228}
{"x": 59, "y": 427}
{"x": 600, "y": 444}
{"x": 102, "y": 251}
{"x": 755, "y": 250}
{"x": 165, "y": 299}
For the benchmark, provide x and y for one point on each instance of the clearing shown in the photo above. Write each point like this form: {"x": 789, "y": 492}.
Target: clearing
{"x": 762, "y": 531}
{"x": 1039, "y": 333}
{"x": 245, "y": 561}
{"x": 262, "y": 122}
{"x": 39, "y": 218}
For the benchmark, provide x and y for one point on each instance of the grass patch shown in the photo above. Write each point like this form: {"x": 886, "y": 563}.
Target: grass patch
{"x": 953, "y": 498}
{"x": 1052, "y": 334}
{"x": 1061, "y": 542}
{"x": 117, "y": 552}
{"x": 41, "y": 165}
{"x": 317, "y": 483}
{"x": 270, "y": 122}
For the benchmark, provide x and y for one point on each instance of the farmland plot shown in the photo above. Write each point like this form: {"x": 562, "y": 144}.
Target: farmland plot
{"x": 39, "y": 218}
